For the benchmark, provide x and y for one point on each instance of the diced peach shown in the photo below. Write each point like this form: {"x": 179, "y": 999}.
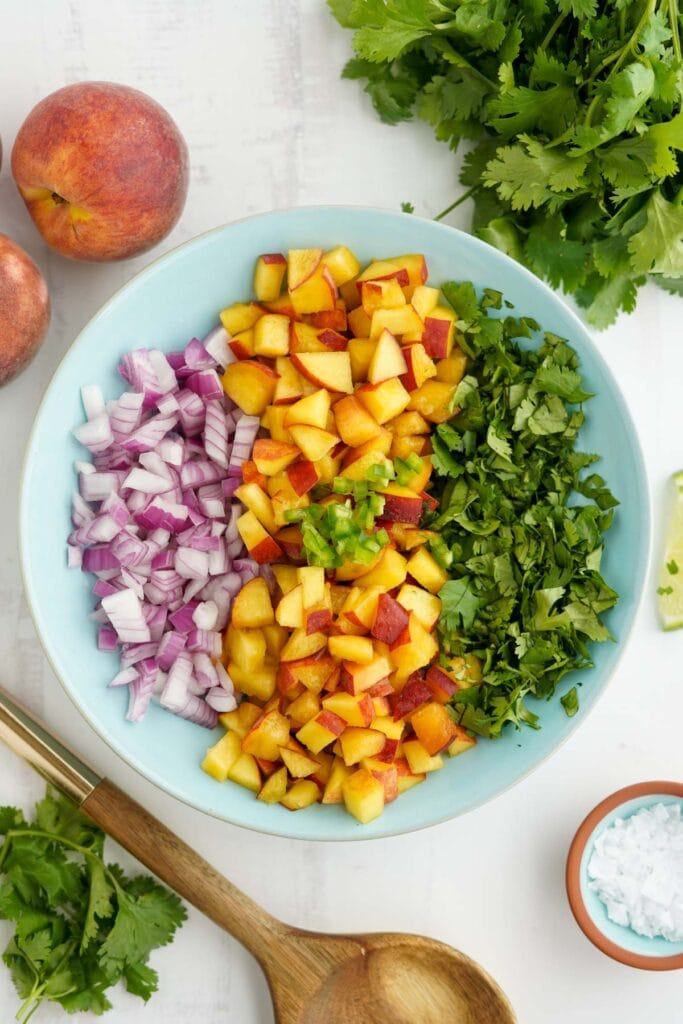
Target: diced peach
{"x": 275, "y": 787}
{"x": 381, "y": 295}
{"x": 434, "y": 727}
{"x": 220, "y": 758}
{"x": 304, "y": 337}
{"x": 358, "y": 743}
{"x": 276, "y": 638}
{"x": 401, "y": 320}
{"x": 257, "y": 501}
{"x": 240, "y": 317}
{"x": 299, "y": 764}
{"x": 251, "y": 475}
{"x": 363, "y": 610}
{"x": 390, "y": 619}
{"x": 334, "y": 319}
{"x": 318, "y": 292}
{"x": 303, "y": 708}
{"x": 318, "y": 620}
{"x": 414, "y": 693}
{"x": 419, "y": 651}
{"x": 301, "y": 266}
{"x": 419, "y": 367}
{"x": 452, "y": 370}
{"x": 351, "y": 648}
{"x": 462, "y": 742}
{"x": 273, "y": 457}
{"x": 250, "y": 385}
{"x": 385, "y": 400}
{"x": 252, "y": 606}
{"x": 342, "y": 264}
{"x": 433, "y": 400}
{"x": 312, "y": 579}
{"x": 389, "y": 572}
{"x": 291, "y": 542}
{"x": 286, "y": 577}
{"x": 363, "y": 795}
{"x": 349, "y": 294}
{"x": 246, "y": 647}
{"x": 437, "y": 337}
{"x": 355, "y": 710}
{"x": 360, "y": 353}
{"x": 269, "y": 275}
{"x": 303, "y": 645}
{"x": 419, "y": 480}
{"x": 354, "y": 423}
{"x": 392, "y": 728}
{"x": 242, "y": 345}
{"x": 386, "y": 773}
{"x": 387, "y": 360}
{"x": 259, "y": 684}
{"x": 441, "y": 684}
{"x": 271, "y": 335}
{"x": 406, "y": 778}
{"x": 282, "y": 305}
{"x": 266, "y": 736}
{"x": 245, "y": 773}
{"x": 321, "y": 731}
{"x": 333, "y": 786}
{"x": 425, "y": 606}
{"x": 314, "y": 442}
{"x": 258, "y": 542}
{"x": 273, "y": 420}
{"x": 384, "y": 270}
{"x": 424, "y": 300}
{"x": 241, "y": 719}
{"x": 408, "y": 423}
{"x": 301, "y": 794}
{"x": 377, "y": 448}
{"x": 401, "y": 504}
{"x": 359, "y": 323}
{"x": 303, "y": 476}
{"x": 403, "y": 447}
{"x": 313, "y": 410}
{"x": 290, "y": 610}
{"x": 419, "y": 760}
{"x": 414, "y": 266}
{"x": 330, "y": 370}
{"x": 426, "y": 570}
{"x": 333, "y": 340}
{"x": 357, "y": 677}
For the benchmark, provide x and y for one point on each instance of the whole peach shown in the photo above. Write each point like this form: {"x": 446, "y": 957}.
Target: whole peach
{"x": 102, "y": 169}
{"x": 24, "y": 309}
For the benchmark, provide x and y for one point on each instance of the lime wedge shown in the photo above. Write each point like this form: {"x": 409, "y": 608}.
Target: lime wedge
{"x": 670, "y": 590}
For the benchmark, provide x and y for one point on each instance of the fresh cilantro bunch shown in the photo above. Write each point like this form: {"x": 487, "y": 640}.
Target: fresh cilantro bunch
{"x": 526, "y": 594}
{"x": 81, "y": 924}
{"x": 574, "y": 107}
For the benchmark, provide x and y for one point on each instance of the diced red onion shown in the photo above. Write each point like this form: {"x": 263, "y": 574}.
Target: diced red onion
{"x": 205, "y": 614}
{"x": 216, "y": 434}
{"x": 100, "y": 558}
{"x": 163, "y": 371}
{"x": 124, "y": 677}
{"x": 168, "y": 404}
{"x": 220, "y": 701}
{"x": 216, "y": 344}
{"x": 97, "y": 486}
{"x": 126, "y": 412}
{"x": 170, "y": 451}
{"x": 162, "y": 514}
{"x": 246, "y": 430}
{"x": 148, "y": 483}
{"x": 93, "y": 401}
{"x": 107, "y": 639}
{"x": 84, "y": 467}
{"x": 204, "y": 670}
{"x": 196, "y": 357}
{"x": 131, "y": 654}
{"x": 125, "y": 614}
{"x": 191, "y": 412}
{"x": 206, "y": 384}
{"x": 148, "y": 436}
{"x": 182, "y": 618}
{"x": 96, "y": 434}
{"x": 170, "y": 646}
{"x": 74, "y": 556}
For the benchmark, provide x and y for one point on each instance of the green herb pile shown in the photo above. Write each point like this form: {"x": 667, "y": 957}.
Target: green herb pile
{"x": 81, "y": 924}
{"x": 575, "y": 109}
{"x": 526, "y": 594}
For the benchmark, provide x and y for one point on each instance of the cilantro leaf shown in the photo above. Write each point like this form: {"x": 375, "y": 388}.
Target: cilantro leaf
{"x": 658, "y": 246}
{"x": 459, "y": 604}
{"x": 570, "y": 702}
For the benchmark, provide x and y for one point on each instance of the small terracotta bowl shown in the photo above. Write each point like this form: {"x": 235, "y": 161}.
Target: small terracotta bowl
{"x": 615, "y": 940}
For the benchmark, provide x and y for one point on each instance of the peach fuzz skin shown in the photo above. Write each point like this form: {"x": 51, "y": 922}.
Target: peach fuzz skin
{"x": 103, "y": 171}
{"x": 24, "y": 309}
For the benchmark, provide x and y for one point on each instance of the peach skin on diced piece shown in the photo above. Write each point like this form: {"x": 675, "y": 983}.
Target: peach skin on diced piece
{"x": 266, "y": 736}
{"x": 386, "y": 773}
{"x": 434, "y": 727}
{"x": 330, "y": 370}
{"x": 462, "y": 742}
{"x": 355, "y": 710}
{"x": 420, "y": 367}
{"x": 257, "y": 501}
{"x": 426, "y": 570}
{"x": 390, "y": 619}
{"x": 387, "y": 360}
{"x": 357, "y": 677}
{"x": 333, "y": 787}
{"x": 303, "y": 645}
{"x": 269, "y": 275}
{"x": 406, "y": 778}
{"x": 316, "y": 294}
{"x": 258, "y": 542}
{"x": 271, "y": 457}
{"x": 320, "y": 731}
{"x": 437, "y": 336}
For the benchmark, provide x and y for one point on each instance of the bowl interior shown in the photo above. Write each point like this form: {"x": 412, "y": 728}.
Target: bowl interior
{"x": 179, "y": 296}
{"x": 616, "y": 933}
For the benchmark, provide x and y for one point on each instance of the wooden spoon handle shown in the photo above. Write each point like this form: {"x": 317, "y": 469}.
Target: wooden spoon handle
{"x": 182, "y": 868}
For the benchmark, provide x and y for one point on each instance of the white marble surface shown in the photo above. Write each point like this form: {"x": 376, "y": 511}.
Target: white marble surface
{"x": 254, "y": 85}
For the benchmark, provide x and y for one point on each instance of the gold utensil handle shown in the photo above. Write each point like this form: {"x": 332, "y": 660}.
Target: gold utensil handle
{"x": 32, "y": 742}
{"x": 137, "y": 831}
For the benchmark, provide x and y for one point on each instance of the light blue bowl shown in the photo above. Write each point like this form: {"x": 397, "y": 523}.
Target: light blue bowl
{"x": 179, "y": 296}
{"x": 616, "y": 940}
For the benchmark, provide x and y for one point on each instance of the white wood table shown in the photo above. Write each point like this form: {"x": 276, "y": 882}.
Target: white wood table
{"x": 254, "y": 86}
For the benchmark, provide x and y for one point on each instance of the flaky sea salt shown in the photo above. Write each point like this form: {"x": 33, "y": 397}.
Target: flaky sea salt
{"x": 636, "y": 869}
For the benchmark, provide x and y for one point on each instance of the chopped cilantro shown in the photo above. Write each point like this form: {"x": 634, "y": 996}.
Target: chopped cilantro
{"x": 672, "y": 567}
{"x": 526, "y": 594}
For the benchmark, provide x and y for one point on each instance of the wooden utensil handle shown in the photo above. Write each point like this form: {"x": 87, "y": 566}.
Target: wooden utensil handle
{"x": 181, "y": 868}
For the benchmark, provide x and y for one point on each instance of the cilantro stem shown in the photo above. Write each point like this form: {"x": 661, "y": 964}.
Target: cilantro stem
{"x": 553, "y": 29}
{"x": 623, "y": 52}
{"x": 459, "y": 200}
{"x": 675, "y": 35}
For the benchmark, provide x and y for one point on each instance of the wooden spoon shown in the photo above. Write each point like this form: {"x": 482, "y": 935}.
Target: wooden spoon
{"x": 313, "y": 978}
